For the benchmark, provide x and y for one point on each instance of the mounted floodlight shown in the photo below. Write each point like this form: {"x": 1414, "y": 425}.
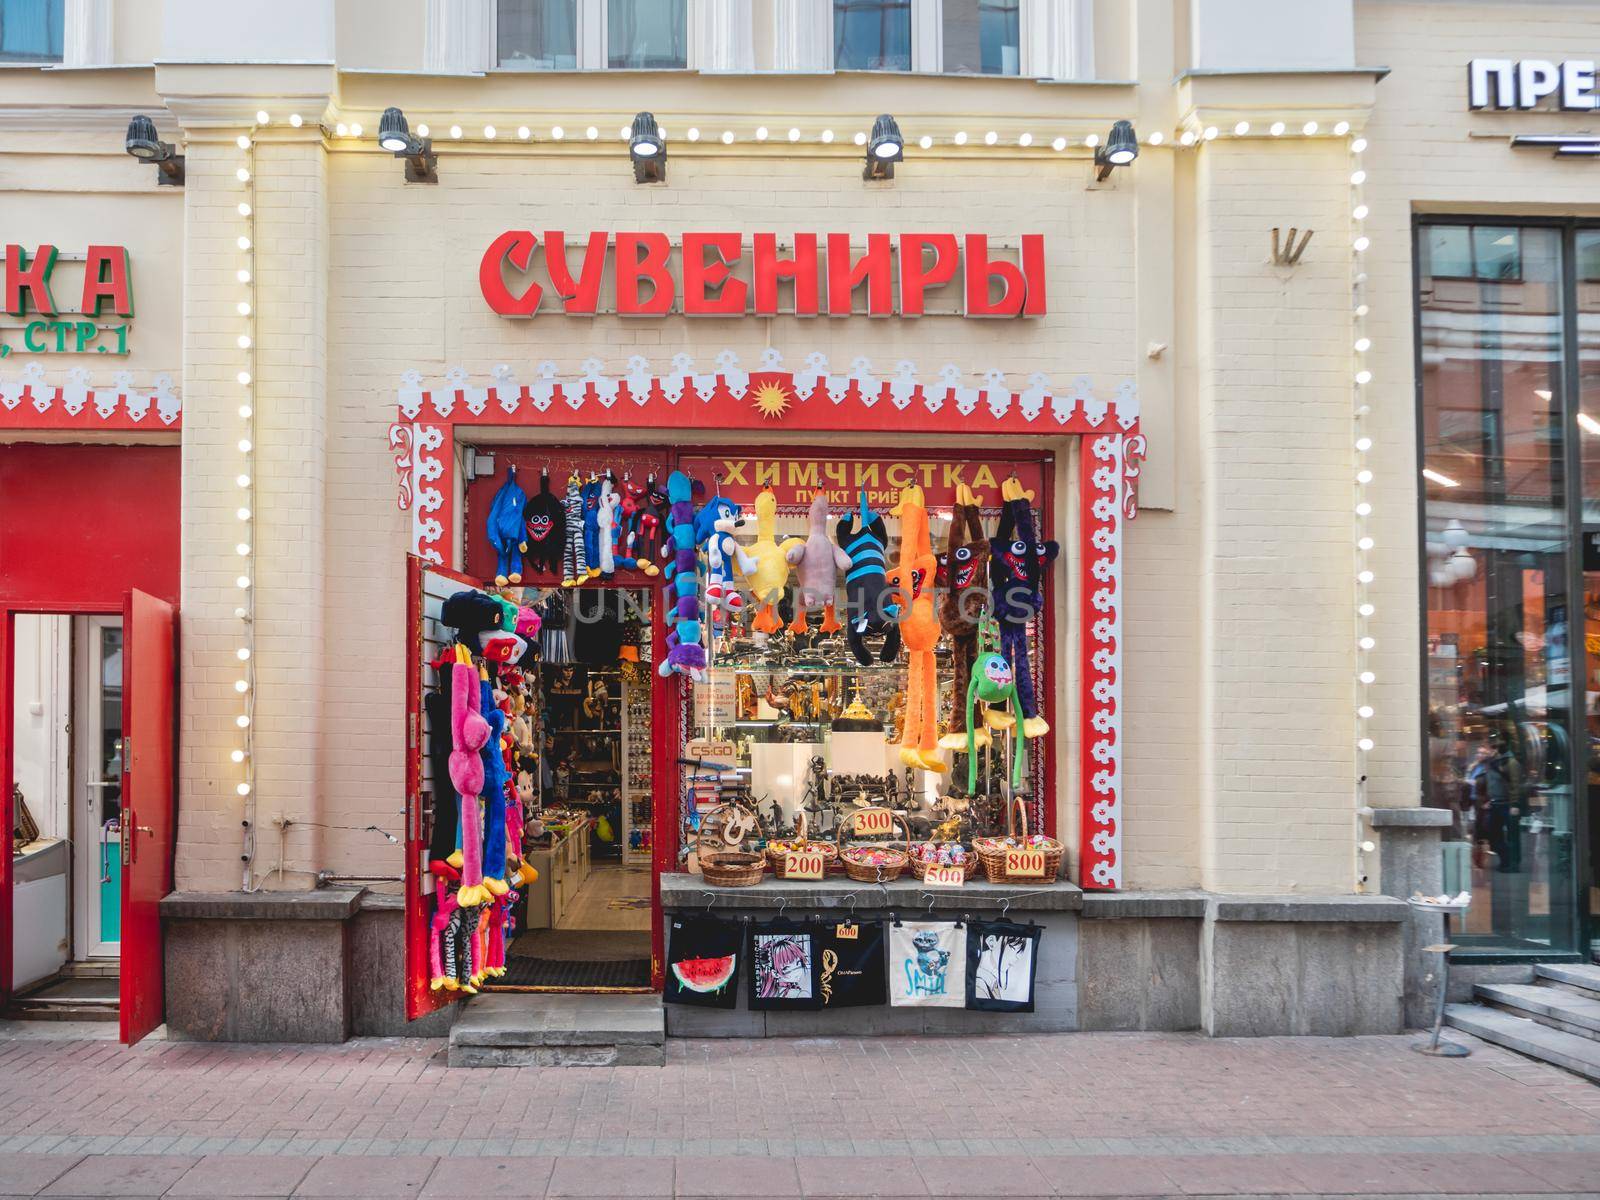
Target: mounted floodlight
{"x": 648, "y": 150}
{"x": 395, "y": 136}
{"x": 1121, "y": 148}
{"x": 885, "y": 148}
{"x": 144, "y": 145}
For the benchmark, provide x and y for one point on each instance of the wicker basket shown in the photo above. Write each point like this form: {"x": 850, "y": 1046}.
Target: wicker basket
{"x": 727, "y": 863}
{"x": 920, "y": 868}
{"x": 777, "y": 855}
{"x": 894, "y": 860}
{"x": 991, "y": 853}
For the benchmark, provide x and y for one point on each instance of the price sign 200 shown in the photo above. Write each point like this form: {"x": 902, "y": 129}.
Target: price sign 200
{"x": 803, "y": 864}
{"x": 1025, "y": 864}
{"x": 874, "y": 822}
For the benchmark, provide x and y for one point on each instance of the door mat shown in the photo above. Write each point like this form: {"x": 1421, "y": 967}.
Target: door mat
{"x": 544, "y": 972}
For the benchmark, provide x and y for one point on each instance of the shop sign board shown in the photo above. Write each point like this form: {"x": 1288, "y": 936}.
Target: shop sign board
{"x": 1503, "y": 83}
{"x": 1025, "y": 864}
{"x": 727, "y": 274}
{"x": 797, "y": 477}
{"x": 48, "y": 326}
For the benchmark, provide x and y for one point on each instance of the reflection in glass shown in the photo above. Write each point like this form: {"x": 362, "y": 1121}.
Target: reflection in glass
{"x": 981, "y": 37}
{"x": 872, "y": 35}
{"x": 647, "y": 34}
{"x": 539, "y": 35}
{"x": 1586, "y": 428}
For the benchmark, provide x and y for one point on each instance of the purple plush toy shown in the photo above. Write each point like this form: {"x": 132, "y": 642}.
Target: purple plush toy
{"x": 685, "y": 652}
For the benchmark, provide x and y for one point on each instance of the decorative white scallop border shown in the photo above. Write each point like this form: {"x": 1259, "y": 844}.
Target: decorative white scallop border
{"x": 31, "y": 400}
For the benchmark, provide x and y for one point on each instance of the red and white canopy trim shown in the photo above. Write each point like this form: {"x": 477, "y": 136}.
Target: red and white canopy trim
{"x": 30, "y": 400}
{"x": 682, "y": 399}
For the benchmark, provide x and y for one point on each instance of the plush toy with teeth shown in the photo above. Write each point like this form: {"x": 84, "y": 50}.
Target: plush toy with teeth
{"x": 1017, "y": 563}
{"x": 964, "y": 572}
{"x": 545, "y": 529}
{"x": 992, "y": 682}
{"x": 919, "y": 630}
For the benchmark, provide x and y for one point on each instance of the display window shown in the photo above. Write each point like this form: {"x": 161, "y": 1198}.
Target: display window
{"x": 753, "y": 664}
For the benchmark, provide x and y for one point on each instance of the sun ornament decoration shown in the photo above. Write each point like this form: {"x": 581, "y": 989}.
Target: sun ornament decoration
{"x": 772, "y": 401}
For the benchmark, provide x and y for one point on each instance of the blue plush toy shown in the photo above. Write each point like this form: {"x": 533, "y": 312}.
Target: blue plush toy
{"x": 686, "y": 652}
{"x": 495, "y": 779}
{"x": 590, "y": 495}
{"x": 713, "y": 533}
{"x": 506, "y": 531}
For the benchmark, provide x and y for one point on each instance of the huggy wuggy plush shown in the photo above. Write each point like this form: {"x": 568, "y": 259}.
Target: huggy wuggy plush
{"x": 686, "y": 653}
{"x": 1017, "y": 563}
{"x": 590, "y": 493}
{"x": 771, "y": 569}
{"x": 506, "y": 531}
{"x": 919, "y": 629}
{"x": 545, "y": 529}
{"x": 865, "y": 542}
{"x": 817, "y": 562}
{"x": 964, "y": 572}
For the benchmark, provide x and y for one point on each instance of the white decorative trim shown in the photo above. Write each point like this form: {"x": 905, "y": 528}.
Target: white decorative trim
{"x": 29, "y": 398}
{"x": 1104, "y": 465}
{"x": 419, "y": 461}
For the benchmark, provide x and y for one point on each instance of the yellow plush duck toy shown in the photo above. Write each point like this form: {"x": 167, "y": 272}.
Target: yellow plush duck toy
{"x": 764, "y": 566}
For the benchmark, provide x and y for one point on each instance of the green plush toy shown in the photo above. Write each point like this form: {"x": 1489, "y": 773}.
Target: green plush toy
{"x": 994, "y": 683}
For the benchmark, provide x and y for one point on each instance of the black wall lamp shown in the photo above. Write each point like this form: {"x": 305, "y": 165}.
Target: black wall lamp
{"x": 648, "y": 150}
{"x": 144, "y": 145}
{"x": 885, "y": 148}
{"x": 1121, "y": 148}
{"x": 395, "y": 136}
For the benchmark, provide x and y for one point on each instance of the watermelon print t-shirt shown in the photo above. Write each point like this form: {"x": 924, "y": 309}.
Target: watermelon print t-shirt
{"x": 702, "y": 962}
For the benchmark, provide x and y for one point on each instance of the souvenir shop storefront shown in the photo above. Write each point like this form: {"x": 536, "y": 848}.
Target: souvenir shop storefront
{"x": 780, "y": 714}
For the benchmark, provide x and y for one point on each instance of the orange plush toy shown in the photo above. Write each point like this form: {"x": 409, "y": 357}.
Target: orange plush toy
{"x": 919, "y": 630}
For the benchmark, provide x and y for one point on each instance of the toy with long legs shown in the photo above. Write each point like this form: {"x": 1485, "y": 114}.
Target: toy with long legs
{"x": 919, "y": 630}
{"x": 1017, "y": 563}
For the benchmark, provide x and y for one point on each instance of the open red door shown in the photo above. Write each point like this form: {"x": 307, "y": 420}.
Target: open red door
{"x": 149, "y": 678}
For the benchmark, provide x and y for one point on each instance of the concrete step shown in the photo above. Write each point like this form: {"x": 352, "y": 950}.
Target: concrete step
{"x": 1573, "y": 977}
{"x": 1552, "y": 1006}
{"x": 1566, "y": 1050}
{"x": 516, "y": 1029}
{"x": 78, "y": 1009}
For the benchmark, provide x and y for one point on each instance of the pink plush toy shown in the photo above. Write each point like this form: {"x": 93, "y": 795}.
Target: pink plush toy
{"x": 469, "y": 731}
{"x": 436, "y": 933}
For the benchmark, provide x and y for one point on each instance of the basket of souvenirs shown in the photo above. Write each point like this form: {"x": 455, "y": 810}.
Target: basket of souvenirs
{"x": 1020, "y": 857}
{"x": 942, "y": 854}
{"x": 779, "y": 850}
{"x": 724, "y": 862}
{"x": 873, "y": 862}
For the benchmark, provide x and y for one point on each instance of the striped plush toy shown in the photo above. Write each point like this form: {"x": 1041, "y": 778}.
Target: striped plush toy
{"x": 863, "y": 537}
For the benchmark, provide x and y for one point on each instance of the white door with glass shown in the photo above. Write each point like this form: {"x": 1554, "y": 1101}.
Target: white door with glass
{"x": 97, "y": 756}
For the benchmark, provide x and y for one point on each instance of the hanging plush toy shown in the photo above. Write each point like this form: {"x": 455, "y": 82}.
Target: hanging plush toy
{"x": 714, "y": 528}
{"x": 964, "y": 572}
{"x": 770, "y": 572}
{"x": 494, "y": 793}
{"x": 1017, "y": 563}
{"x": 607, "y": 514}
{"x": 574, "y": 561}
{"x": 650, "y": 541}
{"x": 506, "y": 529}
{"x": 545, "y": 526}
{"x": 993, "y": 682}
{"x": 634, "y": 547}
{"x": 817, "y": 563}
{"x": 685, "y": 652}
{"x": 468, "y": 731}
{"x": 590, "y": 494}
{"x": 919, "y": 629}
{"x": 862, "y": 537}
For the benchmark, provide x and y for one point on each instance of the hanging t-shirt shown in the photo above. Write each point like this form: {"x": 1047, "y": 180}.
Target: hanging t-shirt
{"x": 850, "y": 972}
{"x": 597, "y": 631}
{"x": 927, "y": 964}
{"x": 783, "y": 966}
{"x": 1002, "y": 958}
{"x": 702, "y": 962}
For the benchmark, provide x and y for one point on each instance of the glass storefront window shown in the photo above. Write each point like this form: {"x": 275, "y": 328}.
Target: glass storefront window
{"x": 647, "y": 34}
{"x": 1501, "y": 672}
{"x": 31, "y": 30}
{"x": 538, "y": 35}
{"x": 872, "y": 35}
{"x": 1586, "y": 428}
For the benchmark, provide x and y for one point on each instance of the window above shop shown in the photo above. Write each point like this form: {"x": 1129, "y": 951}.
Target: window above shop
{"x": 953, "y": 37}
{"x": 31, "y": 31}
{"x": 568, "y": 35}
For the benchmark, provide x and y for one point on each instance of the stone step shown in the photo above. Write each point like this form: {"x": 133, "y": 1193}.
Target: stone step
{"x": 1566, "y": 1050}
{"x": 1573, "y": 977}
{"x": 520, "y": 1029}
{"x": 1553, "y": 1006}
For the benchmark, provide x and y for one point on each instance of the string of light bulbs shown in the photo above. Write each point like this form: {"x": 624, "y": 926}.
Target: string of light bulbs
{"x": 1361, "y": 408}
{"x": 243, "y": 754}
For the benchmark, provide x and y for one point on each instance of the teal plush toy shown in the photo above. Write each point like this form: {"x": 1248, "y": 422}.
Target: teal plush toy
{"x": 995, "y": 684}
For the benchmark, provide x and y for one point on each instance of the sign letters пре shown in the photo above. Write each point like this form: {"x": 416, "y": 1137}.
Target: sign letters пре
{"x": 711, "y": 274}
{"x": 1504, "y": 84}
{"x": 107, "y": 289}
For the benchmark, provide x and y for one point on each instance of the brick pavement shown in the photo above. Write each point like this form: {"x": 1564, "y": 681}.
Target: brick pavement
{"x": 1082, "y": 1114}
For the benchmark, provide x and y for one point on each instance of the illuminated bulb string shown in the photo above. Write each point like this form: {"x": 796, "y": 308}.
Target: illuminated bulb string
{"x": 1360, "y": 387}
{"x": 244, "y": 307}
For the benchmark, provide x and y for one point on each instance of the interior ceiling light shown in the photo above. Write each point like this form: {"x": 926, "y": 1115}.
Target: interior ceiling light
{"x": 648, "y": 150}
{"x": 885, "y": 148}
{"x": 144, "y": 145}
{"x": 395, "y": 136}
{"x": 1121, "y": 148}
{"x": 1439, "y": 477}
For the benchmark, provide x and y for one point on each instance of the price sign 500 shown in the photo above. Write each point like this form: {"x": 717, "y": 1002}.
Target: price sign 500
{"x": 874, "y": 822}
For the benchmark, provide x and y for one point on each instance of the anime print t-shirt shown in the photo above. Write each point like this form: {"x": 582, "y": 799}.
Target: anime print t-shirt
{"x": 927, "y": 964}
{"x": 783, "y": 966}
{"x": 702, "y": 962}
{"x": 1002, "y": 959}
{"x": 850, "y": 971}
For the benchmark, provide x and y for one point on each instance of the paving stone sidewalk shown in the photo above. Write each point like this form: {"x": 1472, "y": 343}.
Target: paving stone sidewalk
{"x": 1071, "y": 1115}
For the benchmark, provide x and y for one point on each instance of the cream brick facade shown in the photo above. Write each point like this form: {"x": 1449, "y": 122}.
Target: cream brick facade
{"x": 1240, "y": 661}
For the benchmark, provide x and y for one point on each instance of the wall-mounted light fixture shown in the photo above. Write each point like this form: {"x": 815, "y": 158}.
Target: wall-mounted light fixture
{"x": 885, "y": 148}
{"x": 648, "y": 150}
{"x": 1121, "y": 148}
{"x": 395, "y": 136}
{"x": 144, "y": 145}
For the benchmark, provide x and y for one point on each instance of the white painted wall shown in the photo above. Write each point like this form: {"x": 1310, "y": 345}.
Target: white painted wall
{"x": 40, "y": 720}
{"x": 247, "y": 31}
{"x": 1265, "y": 35}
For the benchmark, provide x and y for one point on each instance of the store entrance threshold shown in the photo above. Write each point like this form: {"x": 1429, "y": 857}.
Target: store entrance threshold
{"x": 505, "y": 1030}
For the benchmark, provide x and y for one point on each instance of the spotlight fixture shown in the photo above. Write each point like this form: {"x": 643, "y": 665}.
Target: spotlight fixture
{"x": 885, "y": 148}
{"x": 395, "y": 136}
{"x": 648, "y": 150}
{"x": 144, "y": 145}
{"x": 1121, "y": 148}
